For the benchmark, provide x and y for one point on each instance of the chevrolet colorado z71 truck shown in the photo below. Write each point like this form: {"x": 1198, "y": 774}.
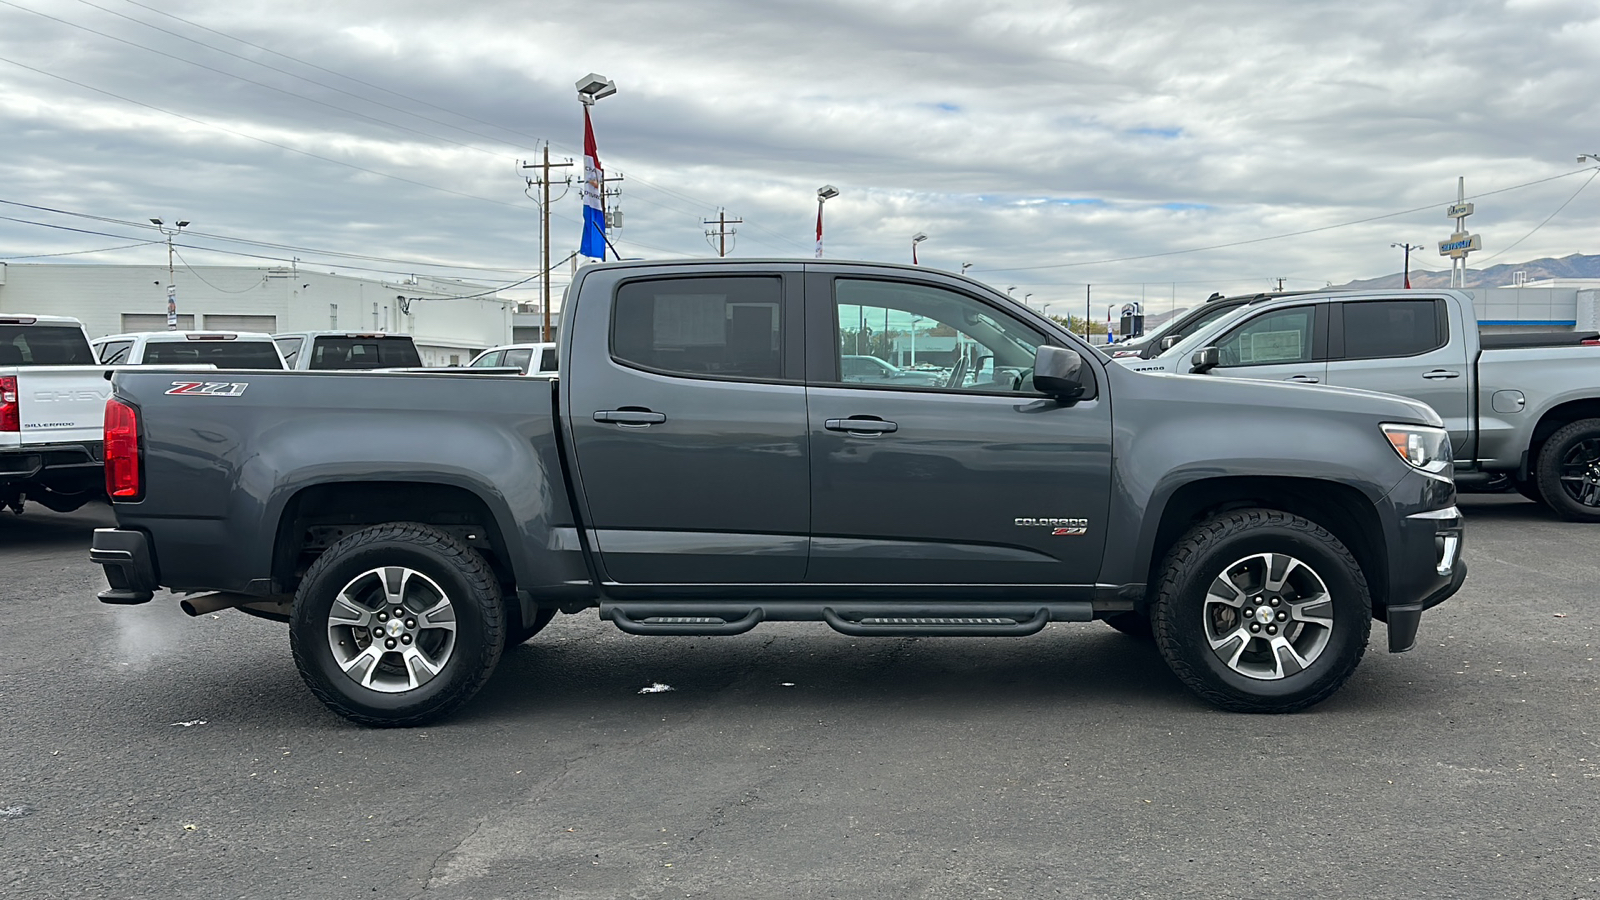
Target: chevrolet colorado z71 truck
{"x": 701, "y": 466}
{"x": 1524, "y": 407}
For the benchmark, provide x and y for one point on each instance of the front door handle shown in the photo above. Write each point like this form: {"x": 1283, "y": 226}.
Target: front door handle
{"x": 861, "y": 425}
{"x": 1302, "y": 379}
{"x": 1436, "y": 374}
{"x": 630, "y": 416}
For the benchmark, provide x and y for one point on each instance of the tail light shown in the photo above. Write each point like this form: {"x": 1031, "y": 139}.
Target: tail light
{"x": 122, "y": 452}
{"x": 10, "y": 415}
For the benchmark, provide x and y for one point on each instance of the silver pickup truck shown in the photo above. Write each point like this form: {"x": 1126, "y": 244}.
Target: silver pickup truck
{"x": 1525, "y": 407}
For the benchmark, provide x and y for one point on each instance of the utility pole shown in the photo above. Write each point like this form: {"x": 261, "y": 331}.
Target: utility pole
{"x": 1088, "y": 310}
{"x": 543, "y": 181}
{"x": 172, "y": 285}
{"x": 1280, "y": 285}
{"x": 1408, "y": 247}
{"x": 723, "y": 232}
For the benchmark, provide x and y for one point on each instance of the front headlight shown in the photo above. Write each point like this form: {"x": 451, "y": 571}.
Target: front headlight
{"x": 1422, "y": 446}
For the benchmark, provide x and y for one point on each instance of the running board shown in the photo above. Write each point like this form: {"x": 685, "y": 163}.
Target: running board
{"x": 871, "y": 619}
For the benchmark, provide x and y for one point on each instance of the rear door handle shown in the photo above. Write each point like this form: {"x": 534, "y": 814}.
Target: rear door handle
{"x": 861, "y": 425}
{"x": 630, "y": 416}
{"x": 1441, "y": 373}
{"x": 1302, "y": 379}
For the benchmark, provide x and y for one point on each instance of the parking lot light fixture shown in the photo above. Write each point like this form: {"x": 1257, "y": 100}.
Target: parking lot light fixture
{"x": 916, "y": 239}
{"x": 824, "y": 194}
{"x": 592, "y": 87}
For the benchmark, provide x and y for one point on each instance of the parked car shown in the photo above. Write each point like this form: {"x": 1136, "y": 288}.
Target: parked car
{"x": 348, "y": 350}
{"x": 52, "y": 404}
{"x": 531, "y": 359}
{"x": 872, "y": 370}
{"x": 1519, "y": 406}
{"x": 703, "y": 465}
{"x": 1175, "y": 329}
{"x": 223, "y": 349}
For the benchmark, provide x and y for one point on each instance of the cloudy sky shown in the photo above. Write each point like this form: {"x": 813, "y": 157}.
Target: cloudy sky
{"x": 1150, "y": 147}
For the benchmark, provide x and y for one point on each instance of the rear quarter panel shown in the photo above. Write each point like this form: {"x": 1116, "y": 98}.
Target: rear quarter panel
{"x": 1546, "y": 376}
{"x": 219, "y": 471}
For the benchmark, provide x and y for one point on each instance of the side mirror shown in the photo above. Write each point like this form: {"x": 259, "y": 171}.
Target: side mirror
{"x": 1058, "y": 371}
{"x": 1204, "y": 360}
{"x": 1170, "y": 341}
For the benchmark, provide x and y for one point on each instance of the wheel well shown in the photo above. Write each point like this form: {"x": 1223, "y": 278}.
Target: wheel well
{"x": 318, "y": 516}
{"x": 1339, "y": 508}
{"x": 1555, "y": 419}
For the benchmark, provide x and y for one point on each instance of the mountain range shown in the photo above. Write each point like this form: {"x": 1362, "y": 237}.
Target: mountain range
{"x": 1576, "y": 265}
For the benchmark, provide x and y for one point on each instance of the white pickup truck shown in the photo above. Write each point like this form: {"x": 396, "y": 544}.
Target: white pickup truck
{"x": 52, "y": 413}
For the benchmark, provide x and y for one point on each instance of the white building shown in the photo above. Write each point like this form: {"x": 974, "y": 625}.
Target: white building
{"x": 448, "y": 325}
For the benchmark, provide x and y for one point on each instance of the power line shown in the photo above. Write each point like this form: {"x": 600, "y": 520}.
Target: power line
{"x": 81, "y": 252}
{"x": 1546, "y": 220}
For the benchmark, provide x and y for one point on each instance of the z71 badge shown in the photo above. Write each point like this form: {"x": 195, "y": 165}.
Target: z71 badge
{"x": 209, "y": 388}
{"x": 1058, "y": 527}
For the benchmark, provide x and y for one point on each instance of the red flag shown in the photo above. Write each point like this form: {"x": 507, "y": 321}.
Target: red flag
{"x": 819, "y": 231}
{"x": 1408, "y": 281}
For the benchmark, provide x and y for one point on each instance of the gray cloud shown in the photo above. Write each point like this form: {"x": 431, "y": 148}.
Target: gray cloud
{"x": 985, "y": 125}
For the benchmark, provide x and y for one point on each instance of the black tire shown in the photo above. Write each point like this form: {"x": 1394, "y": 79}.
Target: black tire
{"x": 518, "y": 633}
{"x": 467, "y": 645}
{"x": 1132, "y": 624}
{"x": 1238, "y": 542}
{"x": 1573, "y": 451}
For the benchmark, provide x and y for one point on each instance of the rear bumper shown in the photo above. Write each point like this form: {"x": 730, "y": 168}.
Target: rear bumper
{"x": 45, "y": 461}
{"x": 129, "y": 565}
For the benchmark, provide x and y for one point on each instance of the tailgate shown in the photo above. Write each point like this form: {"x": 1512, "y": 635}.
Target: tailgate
{"x": 60, "y": 404}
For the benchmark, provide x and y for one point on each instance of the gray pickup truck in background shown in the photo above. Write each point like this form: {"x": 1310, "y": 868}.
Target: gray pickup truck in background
{"x": 701, "y": 466}
{"x": 1519, "y": 406}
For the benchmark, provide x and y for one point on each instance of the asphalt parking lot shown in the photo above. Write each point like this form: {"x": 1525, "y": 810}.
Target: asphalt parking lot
{"x": 147, "y": 754}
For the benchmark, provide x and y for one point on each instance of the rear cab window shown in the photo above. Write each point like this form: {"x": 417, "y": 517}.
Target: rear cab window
{"x": 115, "y": 353}
{"x": 345, "y": 352}
{"x": 44, "y": 345}
{"x": 222, "y": 354}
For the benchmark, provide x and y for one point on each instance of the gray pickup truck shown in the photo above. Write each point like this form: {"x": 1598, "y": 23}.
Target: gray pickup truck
{"x": 1523, "y": 407}
{"x": 700, "y": 466}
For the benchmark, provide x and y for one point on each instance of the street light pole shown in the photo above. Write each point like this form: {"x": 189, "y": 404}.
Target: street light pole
{"x": 824, "y": 194}
{"x": 1408, "y": 247}
{"x": 916, "y": 239}
{"x": 172, "y": 286}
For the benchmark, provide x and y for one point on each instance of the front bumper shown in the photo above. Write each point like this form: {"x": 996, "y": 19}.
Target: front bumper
{"x": 1426, "y": 541}
{"x": 128, "y": 562}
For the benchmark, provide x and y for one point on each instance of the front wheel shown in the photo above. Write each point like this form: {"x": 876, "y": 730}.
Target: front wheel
{"x": 397, "y": 625}
{"x": 1569, "y": 471}
{"x": 1262, "y": 611}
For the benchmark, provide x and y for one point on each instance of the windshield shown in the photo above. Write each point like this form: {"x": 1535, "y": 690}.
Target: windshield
{"x": 222, "y": 354}
{"x": 364, "y": 353}
{"x": 44, "y": 345}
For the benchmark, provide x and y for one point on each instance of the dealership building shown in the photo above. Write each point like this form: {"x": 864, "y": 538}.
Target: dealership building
{"x": 450, "y": 320}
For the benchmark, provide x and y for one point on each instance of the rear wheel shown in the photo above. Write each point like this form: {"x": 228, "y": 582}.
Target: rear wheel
{"x": 1569, "y": 471}
{"x": 1262, "y": 611}
{"x": 397, "y": 624}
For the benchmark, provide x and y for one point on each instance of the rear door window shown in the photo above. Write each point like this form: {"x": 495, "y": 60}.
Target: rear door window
{"x": 519, "y": 358}
{"x": 290, "y": 348}
{"x": 548, "y": 361}
{"x": 44, "y": 345}
{"x": 115, "y": 353}
{"x": 706, "y": 327}
{"x": 1389, "y": 329}
{"x": 364, "y": 353}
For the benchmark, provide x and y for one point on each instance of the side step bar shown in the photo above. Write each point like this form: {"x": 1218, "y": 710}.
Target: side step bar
{"x": 870, "y": 619}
